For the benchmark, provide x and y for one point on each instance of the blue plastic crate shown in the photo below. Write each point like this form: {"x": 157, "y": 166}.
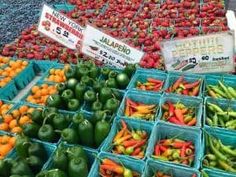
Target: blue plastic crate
{"x": 190, "y": 102}
{"x": 227, "y": 138}
{"x": 9, "y": 91}
{"x": 164, "y": 131}
{"x": 134, "y": 165}
{"x": 132, "y": 125}
{"x": 169, "y": 169}
{"x": 224, "y": 105}
{"x": 213, "y": 173}
{"x": 141, "y": 75}
{"x": 142, "y": 97}
{"x": 190, "y": 78}
{"x": 25, "y": 77}
{"x": 228, "y": 80}
{"x": 91, "y": 154}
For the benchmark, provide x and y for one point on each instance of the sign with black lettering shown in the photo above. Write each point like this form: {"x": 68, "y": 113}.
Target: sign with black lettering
{"x": 200, "y": 54}
{"x": 107, "y": 49}
{"x": 60, "y": 28}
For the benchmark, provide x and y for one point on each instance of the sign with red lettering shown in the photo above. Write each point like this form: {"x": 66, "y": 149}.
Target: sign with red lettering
{"x": 60, "y": 28}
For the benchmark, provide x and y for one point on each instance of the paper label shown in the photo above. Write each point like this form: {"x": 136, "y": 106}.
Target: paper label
{"x": 107, "y": 49}
{"x": 201, "y": 54}
{"x": 60, "y": 28}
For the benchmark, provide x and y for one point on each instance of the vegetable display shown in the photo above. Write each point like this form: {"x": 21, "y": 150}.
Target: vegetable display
{"x": 175, "y": 150}
{"x": 179, "y": 114}
{"x": 130, "y": 142}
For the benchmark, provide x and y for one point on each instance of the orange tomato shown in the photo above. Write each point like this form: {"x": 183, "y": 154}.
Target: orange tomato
{"x": 7, "y": 118}
{"x": 16, "y": 130}
{"x": 4, "y": 126}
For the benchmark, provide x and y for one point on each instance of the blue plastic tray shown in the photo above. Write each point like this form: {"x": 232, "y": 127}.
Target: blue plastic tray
{"x": 134, "y": 165}
{"x": 41, "y": 66}
{"x": 9, "y": 91}
{"x": 164, "y": 131}
{"x": 142, "y": 75}
{"x": 197, "y": 103}
{"x": 143, "y": 97}
{"x": 213, "y": 173}
{"x": 133, "y": 125}
{"x": 222, "y": 103}
{"x": 169, "y": 169}
{"x": 173, "y": 76}
{"x": 24, "y": 77}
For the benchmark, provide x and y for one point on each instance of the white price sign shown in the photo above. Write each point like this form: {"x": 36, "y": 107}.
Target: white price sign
{"x": 201, "y": 54}
{"x": 107, "y": 49}
{"x": 60, "y": 28}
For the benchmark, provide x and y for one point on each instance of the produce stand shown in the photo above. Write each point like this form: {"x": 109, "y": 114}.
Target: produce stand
{"x": 66, "y": 114}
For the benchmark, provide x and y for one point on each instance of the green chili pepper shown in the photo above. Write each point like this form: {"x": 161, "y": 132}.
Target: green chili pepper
{"x": 67, "y": 95}
{"x": 215, "y": 108}
{"x": 70, "y": 136}
{"x": 227, "y": 149}
{"x": 86, "y": 80}
{"x": 225, "y": 166}
{"x": 231, "y": 91}
{"x": 35, "y": 163}
{"x": 61, "y": 87}
{"x": 80, "y": 89}
{"x": 232, "y": 114}
{"x": 73, "y": 105}
{"x": 230, "y": 123}
{"x": 96, "y": 106}
{"x": 60, "y": 160}
{"x": 31, "y": 129}
{"x": 90, "y": 96}
{"x": 22, "y": 145}
{"x": 112, "y": 105}
{"x": 59, "y": 122}
{"x": 54, "y": 101}
{"x": 225, "y": 89}
{"x": 219, "y": 92}
{"x": 76, "y": 152}
{"x": 209, "y": 121}
{"x": 102, "y": 129}
{"x": 36, "y": 116}
{"x": 21, "y": 168}
{"x": 86, "y": 133}
{"x": 77, "y": 167}
{"x": 105, "y": 94}
{"x": 111, "y": 82}
{"x": 204, "y": 174}
{"x": 46, "y": 133}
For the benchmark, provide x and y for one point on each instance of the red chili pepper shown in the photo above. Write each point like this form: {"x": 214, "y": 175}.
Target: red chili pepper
{"x": 192, "y": 122}
{"x": 182, "y": 152}
{"x": 178, "y": 82}
{"x": 130, "y": 102}
{"x": 124, "y": 125}
{"x": 174, "y": 120}
{"x": 163, "y": 148}
{"x": 192, "y": 85}
{"x": 154, "y": 80}
{"x": 136, "y": 151}
{"x": 140, "y": 143}
{"x": 171, "y": 108}
{"x": 185, "y": 92}
{"x": 115, "y": 169}
{"x": 157, "y": 150}
{"x": 179, "y": 145}
{"x": 130, "y": 142}
{"x": 179, "y": 115}
{"x": 195, "y": 91}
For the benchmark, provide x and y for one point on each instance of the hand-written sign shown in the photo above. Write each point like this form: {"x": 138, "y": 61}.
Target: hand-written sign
{"x": 60, "y": 28}
{"x": 107, "y": 49}
{"x": 201, "y": 54}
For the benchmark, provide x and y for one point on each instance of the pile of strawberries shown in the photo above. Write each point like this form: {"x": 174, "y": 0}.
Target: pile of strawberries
{"x": 142, "y": 24}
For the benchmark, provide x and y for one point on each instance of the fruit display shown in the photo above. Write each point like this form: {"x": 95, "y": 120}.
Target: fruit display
{"x": 65, "y": 114}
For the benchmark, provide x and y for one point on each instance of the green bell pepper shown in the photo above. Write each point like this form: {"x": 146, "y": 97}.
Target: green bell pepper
{"x": 105, "y": 94}
{"x": 111, "y": 82}
{"x": 78, "y": 118}
{"x": 21, "y": 168}
{"x": 54, "y": 101}
{"x": 46, "y": 133}
{"x": 31, "y": 129}
{"x": 36, "y": 149}
{"x": 80, "y": 89}
{"x": 35, "y": 163}
{"x": 60, "y": 160}
{"x": 36, "y": 116}
{"x": 59, "y": 122}
{"x": 73, "y": 105}
{"x": 67, "y": 95}
{"x": 112, "y": 105}
{"x": 61, "y": 87}
{"x": 97, "y": 105}
{"x": 71, "y": 83}
{"x": 77, "y": 167}
{"x": 4, "y": 168}
{"x": 76, "y": 152}
{"x": 70, "y": 73}
{"x": 90, "y": 96}
{"x": 86, "y": 80}
{"x": 70, "y": 136}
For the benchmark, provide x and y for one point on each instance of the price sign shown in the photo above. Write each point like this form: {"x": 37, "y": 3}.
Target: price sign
{"x": 201, "y": 54}
{"x": 107, "y": 49}
{"x": 60, "y": 28}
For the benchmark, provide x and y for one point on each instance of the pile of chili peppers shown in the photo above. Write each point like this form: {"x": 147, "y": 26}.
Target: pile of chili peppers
{"x": 175, "y": 150}
{"x": 132, "y": 143}
{"x": 110, "y": 168}
{"x": 179, "y": 114}
{"x": 150, "y": 85}
{"x": 183, "y": 87}
{"x": 221, "y": 91}
{"x": 162, "y": 174}
{"x": 220, "y": 117}
{"x": 139, "y": 110}
{"x": 219, "y": 155}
